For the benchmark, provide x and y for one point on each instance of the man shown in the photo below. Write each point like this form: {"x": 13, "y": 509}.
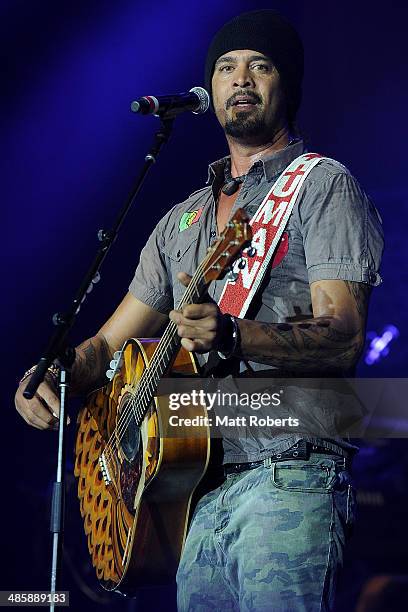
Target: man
{"x": 271, "y": 537}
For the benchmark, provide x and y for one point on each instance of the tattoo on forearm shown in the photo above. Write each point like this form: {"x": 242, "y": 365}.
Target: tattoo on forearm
{"x": 300, "y": 346}
{"x": 90, "y": 365}
{"x": 310, "y": 344}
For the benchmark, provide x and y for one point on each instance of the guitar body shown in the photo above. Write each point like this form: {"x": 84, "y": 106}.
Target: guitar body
{"x": 135, "y": 485}
{"x": 135, "y": 481}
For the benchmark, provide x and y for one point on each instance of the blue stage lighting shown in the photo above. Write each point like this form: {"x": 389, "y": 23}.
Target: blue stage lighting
{"x": 379, "y": 345}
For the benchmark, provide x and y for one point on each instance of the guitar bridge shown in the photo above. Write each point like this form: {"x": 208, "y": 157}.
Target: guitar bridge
{"x": 105, "y": 469}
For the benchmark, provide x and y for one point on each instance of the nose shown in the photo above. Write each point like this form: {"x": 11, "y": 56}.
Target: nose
{"x": 242, "y": 76}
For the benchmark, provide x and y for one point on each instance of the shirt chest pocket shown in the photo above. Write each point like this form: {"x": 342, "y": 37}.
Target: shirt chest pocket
{"x": 182, "y": 255}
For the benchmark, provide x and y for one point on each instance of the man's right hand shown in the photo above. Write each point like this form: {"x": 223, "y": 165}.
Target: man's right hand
{"x": 43, "y": 410}
{"x": 132, "y": 319}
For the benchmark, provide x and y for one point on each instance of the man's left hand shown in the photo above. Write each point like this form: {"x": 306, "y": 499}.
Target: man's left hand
{"x": 201, "y": 327}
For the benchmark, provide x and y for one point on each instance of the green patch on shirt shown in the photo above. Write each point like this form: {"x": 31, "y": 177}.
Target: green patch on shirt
{"x": 188, "y": 218}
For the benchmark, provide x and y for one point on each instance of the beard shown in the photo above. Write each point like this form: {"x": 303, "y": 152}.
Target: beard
{"x": 246, "y": 124}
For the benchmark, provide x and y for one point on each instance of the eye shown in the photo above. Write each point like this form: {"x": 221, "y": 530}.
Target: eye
{"x": 261, "y": 67}
{"x": 225, "y": 68}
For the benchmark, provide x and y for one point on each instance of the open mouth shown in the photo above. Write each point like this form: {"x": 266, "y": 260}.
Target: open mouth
{"x": 244, "y": 102}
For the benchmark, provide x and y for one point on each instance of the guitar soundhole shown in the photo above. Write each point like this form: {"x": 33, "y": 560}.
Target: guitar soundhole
{"x": 130, "y": 431}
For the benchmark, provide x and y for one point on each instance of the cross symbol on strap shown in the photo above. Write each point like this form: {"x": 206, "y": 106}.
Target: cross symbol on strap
{"x": 292, "y": 176}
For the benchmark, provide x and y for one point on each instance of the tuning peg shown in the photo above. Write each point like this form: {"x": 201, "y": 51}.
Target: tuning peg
{"x": 109, "y": 374}
{"x": 241, "y": 263}
{"x": 251, "y": 252}
{"x": 232, "y": 276}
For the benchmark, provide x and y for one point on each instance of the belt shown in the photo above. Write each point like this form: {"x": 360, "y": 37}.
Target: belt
{"x": 301, "y": 450}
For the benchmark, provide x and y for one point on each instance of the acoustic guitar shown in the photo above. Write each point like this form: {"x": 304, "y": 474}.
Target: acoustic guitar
{"x": 135, "y": 485}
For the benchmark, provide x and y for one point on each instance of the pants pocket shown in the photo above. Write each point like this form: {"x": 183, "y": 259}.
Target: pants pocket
{"x": 304, "y": 476}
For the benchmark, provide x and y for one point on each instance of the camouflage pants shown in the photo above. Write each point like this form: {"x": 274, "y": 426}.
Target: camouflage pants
{"x": 269, "y": 539}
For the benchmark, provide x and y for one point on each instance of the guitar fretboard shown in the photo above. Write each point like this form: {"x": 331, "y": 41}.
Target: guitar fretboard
{"x": 166, "y": 349}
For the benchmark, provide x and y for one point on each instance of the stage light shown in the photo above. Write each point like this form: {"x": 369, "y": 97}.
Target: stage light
{"x": 379, "y": 345}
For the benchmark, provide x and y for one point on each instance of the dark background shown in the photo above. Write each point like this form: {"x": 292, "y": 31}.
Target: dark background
{"x": 70, "y": 150}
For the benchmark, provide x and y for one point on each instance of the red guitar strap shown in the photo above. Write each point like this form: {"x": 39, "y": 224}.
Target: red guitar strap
{"x": 268, "y": 225}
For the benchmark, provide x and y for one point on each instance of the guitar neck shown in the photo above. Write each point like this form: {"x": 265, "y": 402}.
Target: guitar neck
{"x": 236, "y": 235}
{"x": 170, "y": 342}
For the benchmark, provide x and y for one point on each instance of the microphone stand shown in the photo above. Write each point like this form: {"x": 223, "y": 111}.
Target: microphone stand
{"x": 59, "y": 349}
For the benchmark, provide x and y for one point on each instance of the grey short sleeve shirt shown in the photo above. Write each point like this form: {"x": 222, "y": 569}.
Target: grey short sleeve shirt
{"x": 334, "y": 232}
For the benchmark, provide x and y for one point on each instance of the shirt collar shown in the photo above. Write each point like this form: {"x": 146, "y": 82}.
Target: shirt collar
{"x": 272, "y": 164}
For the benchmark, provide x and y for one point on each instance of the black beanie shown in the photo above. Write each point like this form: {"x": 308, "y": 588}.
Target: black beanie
{"x": 269, "y": 33}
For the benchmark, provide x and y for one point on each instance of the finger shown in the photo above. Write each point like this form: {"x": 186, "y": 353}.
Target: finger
{"x": 28, "y": 409}
{"x": 189, "y": 345}
{"x": 196, "y": 346}
{"x": 184, "y": 278}
{"x": 175, "y": 316}
{"x": 41, "y": 412}
{"x": 192, "y": 332}
{"x": 38, "y": 415}
{"x": 24, "y": 413}
{"x": 49, "y": 415}
{"x": 49, "y": 398}
{"x": 200, "y": 311}
{"x": 52, "y": 403}
{"x": 209, "y": 316}
{"x": 206, "y": 324}
{"x": 36, "y": 411}
{"x": 53, "y": 420}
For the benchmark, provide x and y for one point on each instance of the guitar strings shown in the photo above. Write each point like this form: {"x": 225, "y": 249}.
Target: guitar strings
{"x": 149, "y": 374}
{"x": 145, "y": 379}
{"x": 138, "y": 406}
{"x": 152, "y": 370}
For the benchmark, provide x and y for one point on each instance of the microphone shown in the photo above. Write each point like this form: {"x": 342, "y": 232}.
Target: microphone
{"x": 196, "y": 100}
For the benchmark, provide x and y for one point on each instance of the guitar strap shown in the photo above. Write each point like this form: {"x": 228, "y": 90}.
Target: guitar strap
{"x": 268, "y": 225}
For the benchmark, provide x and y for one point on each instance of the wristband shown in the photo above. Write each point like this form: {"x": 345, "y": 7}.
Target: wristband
{"x": 235, "y": 339}
{"x": 54, "y": 370}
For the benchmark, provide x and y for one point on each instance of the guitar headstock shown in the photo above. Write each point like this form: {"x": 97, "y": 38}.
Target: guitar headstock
{"x": 235, "y": 237}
